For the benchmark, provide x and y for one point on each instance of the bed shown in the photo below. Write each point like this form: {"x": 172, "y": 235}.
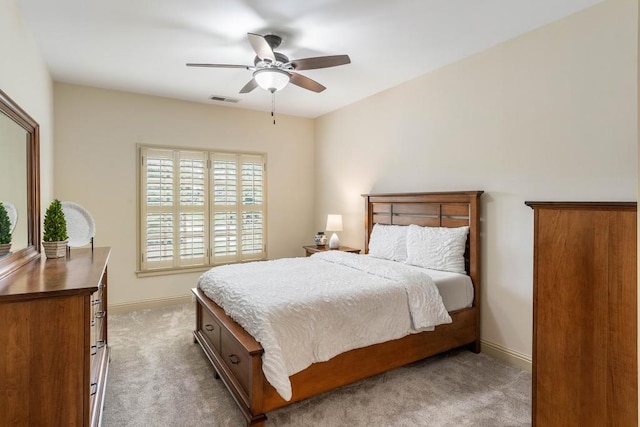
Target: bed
{"x": 237, "y": 357}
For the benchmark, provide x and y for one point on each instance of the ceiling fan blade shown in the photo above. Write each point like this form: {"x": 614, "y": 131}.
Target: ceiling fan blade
{"x": 251, "y": 85}
{"x": 306, "y": 83}
{"x": 261, "y": 47}
{"x": 247, "y": 67}
{"x": 320, "y": 62}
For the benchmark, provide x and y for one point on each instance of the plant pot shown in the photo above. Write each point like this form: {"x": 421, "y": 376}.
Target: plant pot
{"x": 55, "y": 249}
{"x": 4, "y": 249}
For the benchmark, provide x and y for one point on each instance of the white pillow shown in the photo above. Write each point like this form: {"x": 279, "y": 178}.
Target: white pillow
{"x": 438, "y": 248}
{"x": 388, "y": 242}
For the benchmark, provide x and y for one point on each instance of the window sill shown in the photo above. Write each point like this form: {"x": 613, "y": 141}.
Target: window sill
{"x": 169, "y": 271}
{"x": 183, "y": 270}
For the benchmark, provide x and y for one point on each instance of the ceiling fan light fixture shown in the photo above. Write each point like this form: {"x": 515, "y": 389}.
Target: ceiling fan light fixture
{"x": 272, "y": 79}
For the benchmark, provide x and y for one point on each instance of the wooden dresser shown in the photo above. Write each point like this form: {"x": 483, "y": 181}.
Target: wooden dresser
{"x": 584, "y": 314}
{"x": 53, "y": 341}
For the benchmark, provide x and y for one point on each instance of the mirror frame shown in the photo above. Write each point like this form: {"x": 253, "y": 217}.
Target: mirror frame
{"x": 12, "y": 262}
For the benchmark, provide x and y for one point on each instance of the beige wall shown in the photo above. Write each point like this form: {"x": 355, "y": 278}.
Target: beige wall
{"x": 25, "y": 78}
{"x": 550, "y": 115}
{"x": 96, "y": 135}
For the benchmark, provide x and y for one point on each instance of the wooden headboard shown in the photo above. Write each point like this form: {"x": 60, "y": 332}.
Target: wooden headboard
{"x": 445, "y": 209}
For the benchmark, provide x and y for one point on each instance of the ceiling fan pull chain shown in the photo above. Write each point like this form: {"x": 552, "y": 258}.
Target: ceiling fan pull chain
{"x": 273, "y": 106}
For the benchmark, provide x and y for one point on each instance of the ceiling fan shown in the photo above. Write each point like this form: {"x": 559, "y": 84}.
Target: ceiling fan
{"x": 272, "y": 70}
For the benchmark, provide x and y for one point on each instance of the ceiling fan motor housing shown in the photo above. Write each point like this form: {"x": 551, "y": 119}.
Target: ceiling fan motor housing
{"x": 273, "y": 40}
{"x": 280, "y": 60}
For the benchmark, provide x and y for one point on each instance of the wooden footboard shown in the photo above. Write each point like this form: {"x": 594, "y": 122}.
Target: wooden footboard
{"x": 237, "y": 358}
{"x": 235, "y": 355}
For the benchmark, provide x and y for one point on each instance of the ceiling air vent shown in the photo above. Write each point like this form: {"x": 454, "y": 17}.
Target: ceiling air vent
{"x": 223, "y": 99}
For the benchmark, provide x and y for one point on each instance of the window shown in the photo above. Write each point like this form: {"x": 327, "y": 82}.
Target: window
{"x": 200, "y": 208}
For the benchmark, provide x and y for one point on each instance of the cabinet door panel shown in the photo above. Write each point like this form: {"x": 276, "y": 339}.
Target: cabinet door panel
{"x": 45, "y": 376}
{"x": 585, "y": 330}
{"x": 622, "y": 386}
{"x": 571, "y": 315}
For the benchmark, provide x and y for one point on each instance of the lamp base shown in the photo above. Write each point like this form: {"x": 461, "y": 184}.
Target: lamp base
{"x": 334, "y": 242}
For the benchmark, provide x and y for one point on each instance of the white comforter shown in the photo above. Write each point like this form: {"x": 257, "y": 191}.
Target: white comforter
{"x": 307, "y": 310}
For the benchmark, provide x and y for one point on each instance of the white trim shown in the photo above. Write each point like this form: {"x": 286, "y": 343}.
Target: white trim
{"x": 147, "y": 304}
{"x": 512, "y": 357}
{"x": 166, "y": 271}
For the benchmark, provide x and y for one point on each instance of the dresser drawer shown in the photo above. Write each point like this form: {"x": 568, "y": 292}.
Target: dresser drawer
{"x": 97, "y": 339}
{"x": 237, "y": 359}
{"x": 210, "y": 329}
{"x": 98, "y": 315}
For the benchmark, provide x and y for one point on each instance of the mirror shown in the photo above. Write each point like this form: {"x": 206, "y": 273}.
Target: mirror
{"x": 19, "y": 183}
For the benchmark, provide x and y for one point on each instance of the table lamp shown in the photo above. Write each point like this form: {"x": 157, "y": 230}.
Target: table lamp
{"x": 334, "y": 223}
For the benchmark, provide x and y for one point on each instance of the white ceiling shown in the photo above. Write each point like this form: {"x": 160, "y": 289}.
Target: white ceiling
{"x": 142, "y": 45}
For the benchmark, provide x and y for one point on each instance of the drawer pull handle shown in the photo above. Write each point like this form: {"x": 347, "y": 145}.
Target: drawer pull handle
{"x": 93, "y": 323}
{"x": 209, "y": 327}
{"x": 100, "y": 343}
{"x": 93, "y": 393}
{"x": 234, "y": 359}
{"x": 100, "y": 314}
{"x": 96, "y": 302}
{"x": 94, "y": 350}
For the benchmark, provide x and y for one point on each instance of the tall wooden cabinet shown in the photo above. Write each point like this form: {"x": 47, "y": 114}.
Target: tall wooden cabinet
{"x": 584, "y": 314}
{"x": 53, "y": 341}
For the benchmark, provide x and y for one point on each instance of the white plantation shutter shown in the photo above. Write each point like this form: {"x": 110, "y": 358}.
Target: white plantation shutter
{"x": 157, "y": 219}
{"x": 193, "y": 209}
{"x": 200, "y": 208}
{"x": 224, "y": 229}
{"x": 237, "y": 230}
{"x": 252, "y": 207}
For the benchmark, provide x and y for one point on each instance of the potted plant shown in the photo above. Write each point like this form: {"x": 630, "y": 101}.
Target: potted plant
{"x": 55, "y": 231}
{"x": 5, "y": 231}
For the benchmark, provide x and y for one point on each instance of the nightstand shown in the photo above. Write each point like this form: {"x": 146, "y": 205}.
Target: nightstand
{"x": 313, "y": 249}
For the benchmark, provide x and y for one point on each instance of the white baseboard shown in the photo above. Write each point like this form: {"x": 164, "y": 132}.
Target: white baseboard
{"x": 514, "y": 358}
{"x": 146, "y": 304}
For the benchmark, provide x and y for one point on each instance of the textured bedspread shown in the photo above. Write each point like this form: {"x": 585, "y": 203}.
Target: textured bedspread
{"x": 307, "y": 310}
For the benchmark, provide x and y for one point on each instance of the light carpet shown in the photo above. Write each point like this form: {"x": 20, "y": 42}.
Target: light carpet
{"x": 159, "y": 377}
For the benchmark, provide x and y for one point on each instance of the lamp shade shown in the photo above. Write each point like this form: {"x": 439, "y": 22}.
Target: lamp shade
{"x": 334, "y": 222}
{"x": 271, "y": 79}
